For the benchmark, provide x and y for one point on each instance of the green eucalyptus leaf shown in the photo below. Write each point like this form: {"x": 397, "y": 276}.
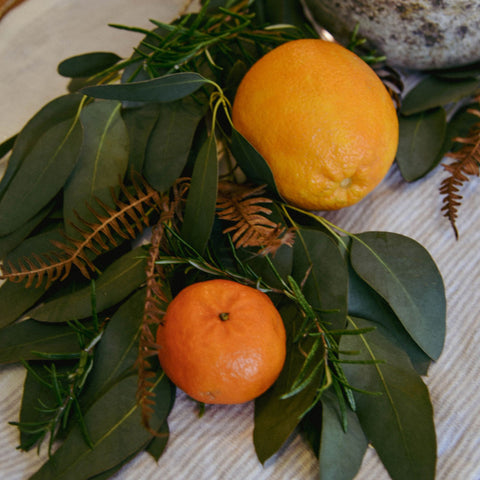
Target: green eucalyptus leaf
{"x": 42, "y": 174}
{"x": 202, "y": 197}
{"x": 157, "y": 446}
{"x": 341, "y": 453}
{"x": 7, "y": 145}
{"x": 276, "y": 418}
{"x": 24, "y": 341}
{"x": 459, "y": 126}
{"x": 251, "y": 162}
{"x": 102, "y": 162}
{"x": 420, "y": 141}
{"x": 53, "y": 113}
{"x": 36, "y": 397}
{"x": 364, "y": 302}
{"x": 432, "y": 92}
{"x": 13, "y": 240}
{"x": 117, "y": 282}
{"x": 117, "y": 352}
{"x": 139, "y": 122}
{"x": 398, "y": 421}
{"x": 15, "y": 300}
{"x": 167, "y": 88}
{"x": 319, "y": 266}
{"x": 87, "y": 64}
{"x": 114, "y": 425}
{"x": 472, "y": 70}
{"x": 400, "y": 270}
{"x": 170, "y": 142}
{"x": 36, "y": 245}
{"x": 288, "y": 12}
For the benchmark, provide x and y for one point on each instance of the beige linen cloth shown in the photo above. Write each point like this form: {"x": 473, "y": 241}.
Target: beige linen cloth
{"x": 34, "y": 37}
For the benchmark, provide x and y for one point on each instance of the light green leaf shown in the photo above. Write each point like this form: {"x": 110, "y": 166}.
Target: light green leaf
{"x": 398, "y": 421}
{"x": 168, "y": 88}
{"x": 170, "y": 142}
{"x": 102, "y": 162}
{"x": 400, "y": 270}
{"x": 87, "y": 64}
{"x": 420, "y": 142}
{"x": 202, "y": 197}
{"x": 118, "y": 281}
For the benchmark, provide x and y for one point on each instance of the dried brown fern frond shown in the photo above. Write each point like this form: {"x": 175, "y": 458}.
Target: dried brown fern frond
{"x": 466, "y": 163}
{"x": 245, "y": 206}
{"x": 129, "y": 215}
{"x": 156, "y": 300}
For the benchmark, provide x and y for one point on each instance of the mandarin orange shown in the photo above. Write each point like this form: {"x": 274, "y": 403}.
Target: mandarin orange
{"x": 222, "y": 342}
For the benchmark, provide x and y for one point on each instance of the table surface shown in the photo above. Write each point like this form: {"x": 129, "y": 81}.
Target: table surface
{"x": 38, "y": 34}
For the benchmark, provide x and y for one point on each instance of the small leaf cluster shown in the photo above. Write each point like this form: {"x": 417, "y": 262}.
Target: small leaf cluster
{"x": 364, "y": 313}
{"x": 434, "y": 116}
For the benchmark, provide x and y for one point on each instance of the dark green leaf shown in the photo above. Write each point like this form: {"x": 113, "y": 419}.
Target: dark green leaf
{"x": 118, "y": 350}
{"x": 399, "y": 422}
{"x": 277, "y": 418}
{"x": 459, "y": 126}
{"x": 434, "y": 92}
{"x": 36, "y": 397}
{"x": 140, "y": 122}
{"x": 37, "y": 244}
{"x": 118, "y": 281}
{"x": 319, "y": 265}
{"x": 420, "y": 141}
{"x": 364, "y": 302}
{"x": 202, "y": 197}
{"x": 15, "y": 300}
{"x": 405, "y": 275}
{"x": 12, "y": 240}
{"x": 87, "y": 64}
{"x": 102, "y": 162}
{"x": 157, "y": 446}
{"x": 285, "y": 12}
{"x": 41, "y": 175}
{"x": 341, "y": 453}
{"x": 251, "y": 162}
{"x": 53, "y": 113}
{"x": 168, "y": 88}
{"x": 471, "y": 70}
{"x": 170, "y": 142}
{"x": 114, "y": 426}
{"x": 21, "y": 340}
{"x": 7, "y": 145}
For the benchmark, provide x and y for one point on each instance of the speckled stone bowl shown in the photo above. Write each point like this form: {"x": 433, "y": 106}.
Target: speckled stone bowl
{"x": 421, "y": 34}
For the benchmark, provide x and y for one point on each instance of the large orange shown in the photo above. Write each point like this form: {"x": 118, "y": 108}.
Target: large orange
{"x": 222, "y": 342}
{"x": 323, "y": 121}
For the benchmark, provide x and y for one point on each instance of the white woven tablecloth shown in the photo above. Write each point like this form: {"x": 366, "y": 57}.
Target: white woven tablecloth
{"x": 33, "y": 39}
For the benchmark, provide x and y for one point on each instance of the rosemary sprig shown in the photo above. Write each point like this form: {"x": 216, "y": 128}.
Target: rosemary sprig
{"x": 66, "y": 386}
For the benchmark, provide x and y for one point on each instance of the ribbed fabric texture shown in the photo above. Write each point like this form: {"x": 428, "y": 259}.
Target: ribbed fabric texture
{"x": 33, "y": 39}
